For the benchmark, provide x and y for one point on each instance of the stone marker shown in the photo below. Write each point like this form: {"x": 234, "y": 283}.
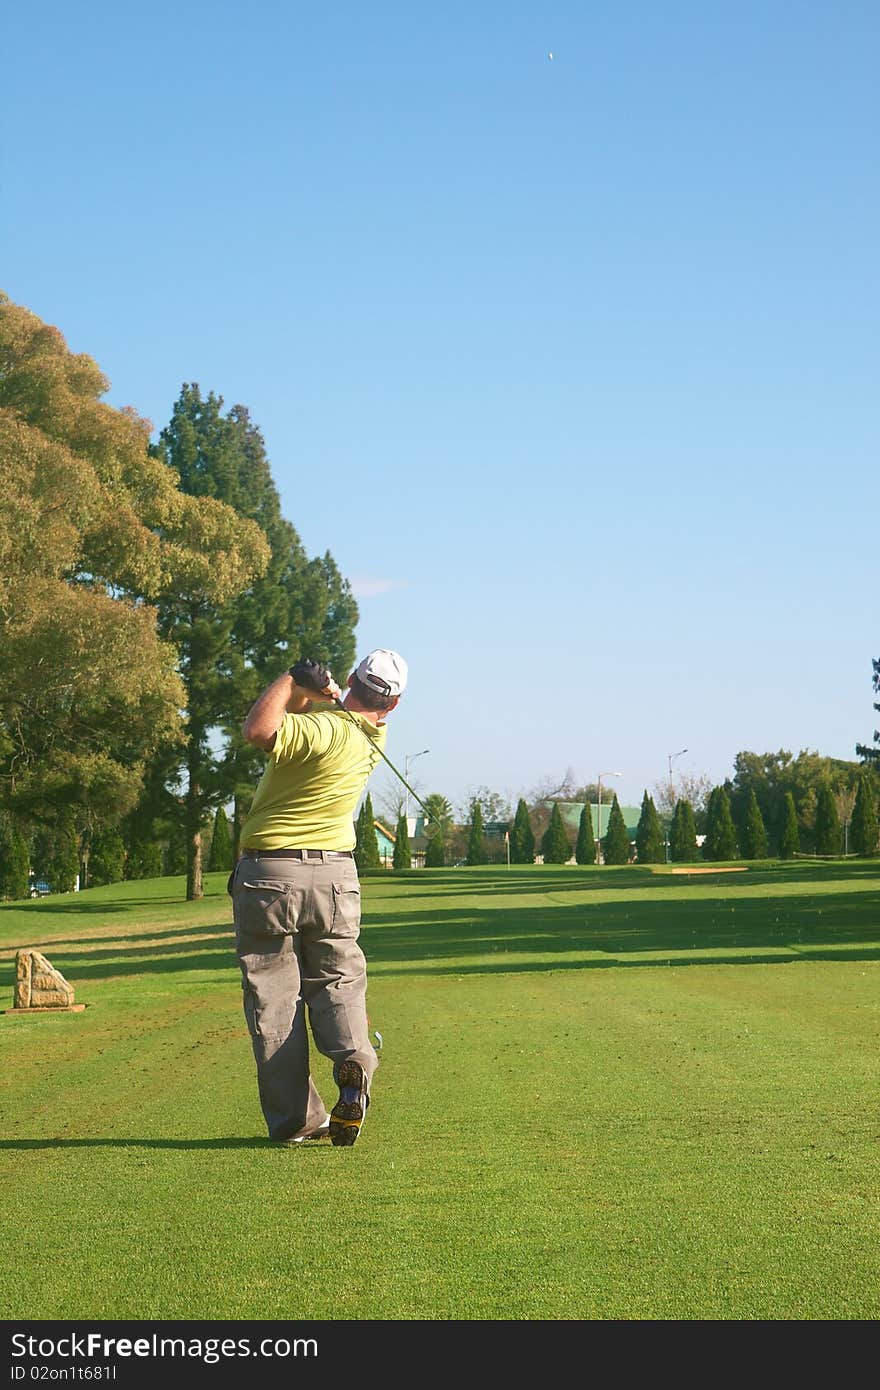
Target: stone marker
{"x": 39, "y": 987}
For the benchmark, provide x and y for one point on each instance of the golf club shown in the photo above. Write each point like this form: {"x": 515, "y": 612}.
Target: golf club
{"x": 312, "y": 676}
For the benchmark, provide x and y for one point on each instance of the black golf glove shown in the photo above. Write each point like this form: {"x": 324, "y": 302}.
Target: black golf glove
{"x": 311, "y": 675}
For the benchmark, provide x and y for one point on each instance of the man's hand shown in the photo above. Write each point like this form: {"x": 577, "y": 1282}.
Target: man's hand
{"x": 304, "y": 685}
{"x": 317, "y": 680}
{"x": 330, "y": 694}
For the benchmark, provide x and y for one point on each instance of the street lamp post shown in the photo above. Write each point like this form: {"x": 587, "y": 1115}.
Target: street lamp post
{"x": 671, "y": 757}
{"x": 409, "y": 758}
{"x": 599, "y": 827}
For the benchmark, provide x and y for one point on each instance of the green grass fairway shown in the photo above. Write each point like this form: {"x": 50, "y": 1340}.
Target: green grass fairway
{"x": 604, "y": 1094}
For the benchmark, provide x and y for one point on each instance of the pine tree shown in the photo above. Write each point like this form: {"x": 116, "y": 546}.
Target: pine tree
{"x": 828, "y": 832}
{"x": 402, "y": 856}
{"x": 585, "y": 849}
{"x": 720, "y": 841}
{"x": 522, "y": 837}
{"x": 435, "y": 852}
{"x": 221, "y": 844}
{"x": 366, "y": 850}
{"x": 476, "y": 850}
{"x": 752, "y": 834}
{"x": 790, "y": 840}
{"x": 650, "y": 846}
{"x": 555, "y": 844}
{"x": 865, "y": 828}
{"x": 293, "y": 607}
{"x": 683, "y": 835}
{"x": 15, "y": 860}
{"x": 616, "y": 847}
{"x": 106, "y": 858}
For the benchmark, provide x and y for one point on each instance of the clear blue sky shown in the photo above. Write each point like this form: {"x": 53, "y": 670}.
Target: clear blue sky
{"x": 571, "y": 364}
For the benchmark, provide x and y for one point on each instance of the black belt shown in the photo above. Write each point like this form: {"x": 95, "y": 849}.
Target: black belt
{"x": 298, "y": 853}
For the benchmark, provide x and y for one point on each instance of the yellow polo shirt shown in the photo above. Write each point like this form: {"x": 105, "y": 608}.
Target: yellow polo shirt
{"x": 316, "y": 772}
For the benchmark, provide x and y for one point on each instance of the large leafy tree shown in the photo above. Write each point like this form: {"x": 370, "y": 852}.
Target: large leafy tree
{"x": 94, "y": 534}
{"x": 585, "y": 846}
{"x": 683, "y": 833}
{"x": 230, "y": 650}
{"x": 864, "y": 826}
{"x": 555, "y": 844}
{"x": 772, "y": 775}
{"x": 752, "y": 834}
{"x": 650, "y": 845}
{"x": 720, "y": 841}
{"x": 616, "y": 847}
{"x": 522, "y": 837}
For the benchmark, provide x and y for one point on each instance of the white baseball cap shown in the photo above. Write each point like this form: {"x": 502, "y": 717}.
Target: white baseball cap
{"x": 383, "y": 671}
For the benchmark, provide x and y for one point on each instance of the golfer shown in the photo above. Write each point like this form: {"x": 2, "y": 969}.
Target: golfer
{"x": 296, "y": 896}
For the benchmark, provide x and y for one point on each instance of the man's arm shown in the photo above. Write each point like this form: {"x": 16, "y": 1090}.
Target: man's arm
{"x": 282, "y": 697}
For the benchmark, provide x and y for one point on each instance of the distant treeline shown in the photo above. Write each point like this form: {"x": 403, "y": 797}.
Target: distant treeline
{"x": 775, "y": 806}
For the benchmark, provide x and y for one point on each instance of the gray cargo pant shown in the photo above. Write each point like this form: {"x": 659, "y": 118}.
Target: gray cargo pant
{"x": 296, "y": 929}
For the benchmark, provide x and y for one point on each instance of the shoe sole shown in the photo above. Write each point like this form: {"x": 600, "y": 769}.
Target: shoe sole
{"x": 347, "y": 1115}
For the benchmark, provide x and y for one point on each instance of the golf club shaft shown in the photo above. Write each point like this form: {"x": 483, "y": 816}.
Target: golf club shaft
{"x": 412, "y": 793}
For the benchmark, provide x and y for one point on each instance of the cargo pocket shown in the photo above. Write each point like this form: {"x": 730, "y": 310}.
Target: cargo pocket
{"x": 346, "y": 919}
{"x": 262, "y": 908}
{"x": 270, "y": 990}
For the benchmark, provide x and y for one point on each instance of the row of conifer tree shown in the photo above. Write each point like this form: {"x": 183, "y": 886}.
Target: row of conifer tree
{"x": 723, "y": 840}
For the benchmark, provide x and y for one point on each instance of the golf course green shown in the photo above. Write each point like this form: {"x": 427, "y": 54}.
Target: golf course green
{"x": 604, "y": 1094}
